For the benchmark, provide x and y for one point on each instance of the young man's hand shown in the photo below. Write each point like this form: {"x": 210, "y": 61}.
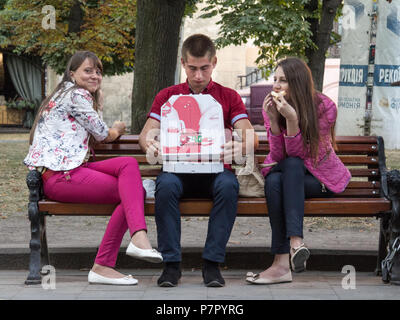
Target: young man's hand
{"x": 232, "y": 152}
{"x": 153, "y": 147}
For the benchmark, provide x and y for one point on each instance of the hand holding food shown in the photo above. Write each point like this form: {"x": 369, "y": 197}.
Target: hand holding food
{"x": 269, "y": 107}
{"x": 283, "y": 107}
{"x": 119, "y": 126}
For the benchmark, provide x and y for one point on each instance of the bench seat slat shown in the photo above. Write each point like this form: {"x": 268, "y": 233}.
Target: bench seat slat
{"x": 246, "y": 206}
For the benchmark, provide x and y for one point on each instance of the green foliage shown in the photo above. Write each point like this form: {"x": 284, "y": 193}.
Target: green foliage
{"x": 191, "y": 7}
{"x": 279, "y": 28}
{"x": 2, "y": 4}
{"x": 107, "y": 29}
{"x": 20, "y": 104}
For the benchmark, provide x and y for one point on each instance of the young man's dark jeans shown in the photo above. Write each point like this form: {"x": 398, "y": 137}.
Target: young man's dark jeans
{"x": 286, "y": 187}
{"x": 223, "y": 188}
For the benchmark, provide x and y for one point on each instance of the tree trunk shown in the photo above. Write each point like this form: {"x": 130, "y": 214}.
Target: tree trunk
{"x": 316, "y": 57}
{"x": 75, "y": 19}
{"x": 156, "y": 49}
{"x": 312, "y": 8}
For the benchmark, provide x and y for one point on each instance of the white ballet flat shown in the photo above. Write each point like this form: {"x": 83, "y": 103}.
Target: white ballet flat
{"x": 95, "y": 278}
{"x": 150, "y": 255}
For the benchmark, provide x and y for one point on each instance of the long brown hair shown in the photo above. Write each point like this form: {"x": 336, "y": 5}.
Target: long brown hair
{"x": 73, "y": 64}
{"x": 304, "y": 99}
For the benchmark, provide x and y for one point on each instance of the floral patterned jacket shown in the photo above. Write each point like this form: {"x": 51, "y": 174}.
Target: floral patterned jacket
{"x": 61, "y": 137}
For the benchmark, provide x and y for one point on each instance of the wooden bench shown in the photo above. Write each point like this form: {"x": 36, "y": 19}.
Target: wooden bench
{"x": 367, "y": 195}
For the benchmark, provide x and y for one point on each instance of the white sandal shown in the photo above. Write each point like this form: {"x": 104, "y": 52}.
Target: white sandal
{"x": 298, "y": 258}
{"x": 256, "y": 279}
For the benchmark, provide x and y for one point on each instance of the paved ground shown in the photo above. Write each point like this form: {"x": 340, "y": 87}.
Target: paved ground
{"x": 73, "y": 285}
{"x": 73, "y": 242}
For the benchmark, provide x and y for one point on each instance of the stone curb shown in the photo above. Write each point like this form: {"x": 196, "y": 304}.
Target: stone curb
{"x": 254, "y": 258}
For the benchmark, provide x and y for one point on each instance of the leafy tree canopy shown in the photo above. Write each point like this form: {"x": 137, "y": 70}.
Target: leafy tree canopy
{"x": 279, "y": 28}
{"x": 106, "y": 27}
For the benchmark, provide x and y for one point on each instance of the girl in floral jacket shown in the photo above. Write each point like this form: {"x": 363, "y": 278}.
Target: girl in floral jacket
{"x": 65, "y": 127}
{"x": 303, "y": 164}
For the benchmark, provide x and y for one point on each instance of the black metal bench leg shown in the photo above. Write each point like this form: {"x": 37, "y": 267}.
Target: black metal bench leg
{"x": 44, "y": 251}
{"x": 34, "y": 181}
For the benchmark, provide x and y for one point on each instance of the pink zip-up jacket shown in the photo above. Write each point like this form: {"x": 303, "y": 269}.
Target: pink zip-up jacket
{"x": 329, "y": 169}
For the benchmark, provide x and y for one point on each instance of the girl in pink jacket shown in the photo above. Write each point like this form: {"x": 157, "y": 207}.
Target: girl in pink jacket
{"x": 300, "y": 127}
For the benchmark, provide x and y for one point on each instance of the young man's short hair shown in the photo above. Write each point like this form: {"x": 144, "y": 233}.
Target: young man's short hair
{"x": 198, "y": 45}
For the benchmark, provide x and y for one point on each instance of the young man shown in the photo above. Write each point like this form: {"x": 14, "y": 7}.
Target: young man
{"x": 199, "y": 61}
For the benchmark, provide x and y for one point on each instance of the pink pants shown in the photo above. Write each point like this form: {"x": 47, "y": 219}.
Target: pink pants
{"x": 116, "y": 180}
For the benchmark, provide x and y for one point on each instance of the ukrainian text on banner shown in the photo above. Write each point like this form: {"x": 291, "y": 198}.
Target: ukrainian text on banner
{"x": 386, "y": 98}
{"x": 353, "y": 67}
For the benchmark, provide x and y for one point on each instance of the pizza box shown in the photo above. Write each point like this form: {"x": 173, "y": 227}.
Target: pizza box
{"x": 192, "y": 134}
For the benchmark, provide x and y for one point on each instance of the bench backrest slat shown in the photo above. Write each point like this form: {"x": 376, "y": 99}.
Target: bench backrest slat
{"x": 359, "y": 154}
